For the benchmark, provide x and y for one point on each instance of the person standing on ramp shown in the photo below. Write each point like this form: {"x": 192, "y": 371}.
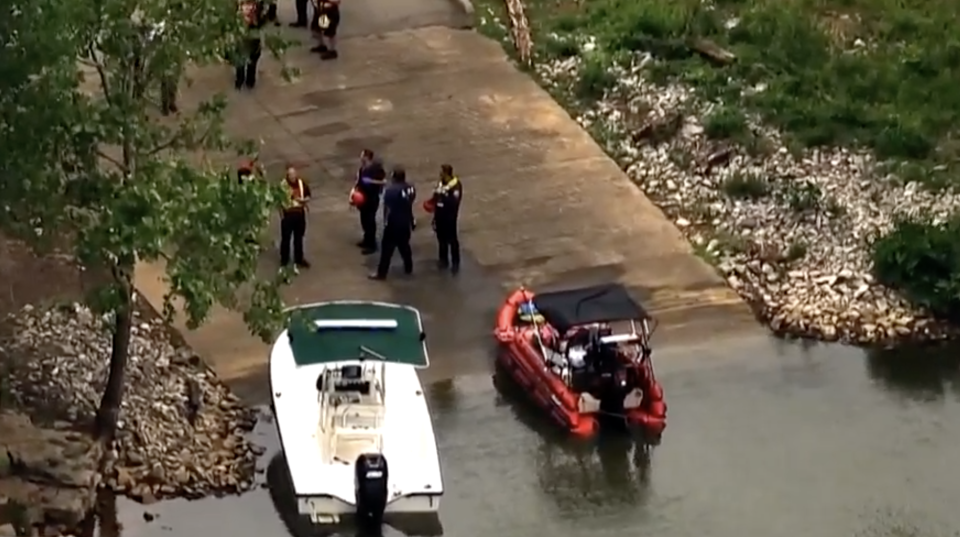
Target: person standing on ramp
{"x": 254, "y": 16}
{"x": 326, "y": 20}
{"x": 398, "y": 224}
{"x": 371, "y": 179}
{"x": 293, "y": 219}
{"x": 446, "y": 210}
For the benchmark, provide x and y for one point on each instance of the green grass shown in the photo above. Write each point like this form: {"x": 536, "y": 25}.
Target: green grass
{"x": 881, "y": 74}
{"x": 746, "y": 187}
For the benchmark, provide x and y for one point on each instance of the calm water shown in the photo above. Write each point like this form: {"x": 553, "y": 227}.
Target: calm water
{"x": 764, "y": 439}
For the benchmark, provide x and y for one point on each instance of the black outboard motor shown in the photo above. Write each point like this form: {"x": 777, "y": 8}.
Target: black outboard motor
{"x": 371, "y": 486}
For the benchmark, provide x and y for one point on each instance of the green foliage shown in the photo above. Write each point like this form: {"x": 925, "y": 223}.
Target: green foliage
{"x": 746, "y": 186}
{"x": 558, "y": 47}
{"x": 595, "y": 79}
{"x": 86, "y": 158}
{"x": 922, "y": 259}
{"x": 796, "y": 251}
{"x": 725, "y": 123}
{"x": 879, "y": 73}
{"x": 802, "y": 196}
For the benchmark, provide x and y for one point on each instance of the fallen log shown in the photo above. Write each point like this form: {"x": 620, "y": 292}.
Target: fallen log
{"x": 520, "y": 31}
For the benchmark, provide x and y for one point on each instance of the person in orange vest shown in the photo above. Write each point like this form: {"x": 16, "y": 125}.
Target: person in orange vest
{"x": 293, "y": 219}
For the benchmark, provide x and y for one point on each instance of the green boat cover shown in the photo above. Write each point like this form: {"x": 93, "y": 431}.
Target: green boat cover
{"x": 311, "y": 345}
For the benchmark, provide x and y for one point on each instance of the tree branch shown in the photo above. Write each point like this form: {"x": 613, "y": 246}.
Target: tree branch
{"x": 101, "y": 72}
{"x": 115, "y": 162}
{"x": 172, "y": 141}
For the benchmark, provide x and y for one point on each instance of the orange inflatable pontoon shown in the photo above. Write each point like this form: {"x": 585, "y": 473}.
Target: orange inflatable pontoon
{"x": 561, "y": 348}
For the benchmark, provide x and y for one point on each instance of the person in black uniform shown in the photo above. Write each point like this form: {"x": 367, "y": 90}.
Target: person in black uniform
{"x": 371, "y": 179}
{"x": 272, "y": 15}
{"x": 254, "y": 15}
{"x": 326, "y": 20}
{"x": 293, "y": 219}
{"x": 398, "y": 224}
{"x": 301, "y": 21}
{"x": 446, "y": 201}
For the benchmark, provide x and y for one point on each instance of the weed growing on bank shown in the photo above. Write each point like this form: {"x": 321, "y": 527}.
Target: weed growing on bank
{"x": 876, "y": 73}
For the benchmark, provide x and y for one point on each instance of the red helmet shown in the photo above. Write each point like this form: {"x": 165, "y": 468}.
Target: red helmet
{"x": 356, "y": 198}
{"x": 429, "y": 205}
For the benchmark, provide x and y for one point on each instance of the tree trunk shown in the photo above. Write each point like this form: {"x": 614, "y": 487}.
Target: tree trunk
{"x": 109, "y": 411}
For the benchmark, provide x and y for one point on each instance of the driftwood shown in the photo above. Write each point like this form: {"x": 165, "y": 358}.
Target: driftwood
{"x": 711, "y": 51}
{"x": 520, "y": 30}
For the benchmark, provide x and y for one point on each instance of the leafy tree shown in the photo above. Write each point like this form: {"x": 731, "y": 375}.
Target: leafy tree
{"x": 87, "y": 163}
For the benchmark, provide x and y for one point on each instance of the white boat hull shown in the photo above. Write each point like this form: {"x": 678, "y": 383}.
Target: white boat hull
{"x": 325, "y": 428}
{"x": 329, "y": 510}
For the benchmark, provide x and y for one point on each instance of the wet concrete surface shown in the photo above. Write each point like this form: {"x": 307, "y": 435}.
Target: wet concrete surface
{"x": 764, "y": 438}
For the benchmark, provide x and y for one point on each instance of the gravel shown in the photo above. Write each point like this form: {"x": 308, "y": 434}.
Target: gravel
{"x": 800, "y": 252}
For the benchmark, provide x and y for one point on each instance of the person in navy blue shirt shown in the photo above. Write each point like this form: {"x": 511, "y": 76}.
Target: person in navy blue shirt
{"x": 370, "y": 181}
{"x": 398, "y": 201}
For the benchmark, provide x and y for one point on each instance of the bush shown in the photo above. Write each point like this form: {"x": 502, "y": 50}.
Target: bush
{"x": 745, "y": 187}
{"x": 725, "y": 123}
{"x": 921, "y": 259}
{"x": 595, "y": 79}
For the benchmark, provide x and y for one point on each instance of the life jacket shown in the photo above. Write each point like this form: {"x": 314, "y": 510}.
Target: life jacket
{"x": 296, "y": 194}
{"x": 447, "y": 192}
{"x": 445, "y": 188}
{"x": 250, "y": 12}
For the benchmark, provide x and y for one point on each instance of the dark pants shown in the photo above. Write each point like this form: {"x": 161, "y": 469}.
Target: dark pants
{"x": 399, "y": 240}
{"x": 272, "y": 12}
{"x": 368, "y": 223}
{"x": 448, "y": 241}
{"x": 293, "y": 226}
{"x": 301, "y": 12}
{"x": 247, "y": 64}
{"x": 168, "y": 94}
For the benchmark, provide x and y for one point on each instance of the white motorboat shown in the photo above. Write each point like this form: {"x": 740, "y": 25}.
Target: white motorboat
{"x": 351, "y": 414}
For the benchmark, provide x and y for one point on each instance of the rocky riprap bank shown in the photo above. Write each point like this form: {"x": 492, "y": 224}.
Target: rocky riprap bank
{"x": 181, "y": 432}
{"x": 800, "y": 253}
{"x": 48, "y": 476}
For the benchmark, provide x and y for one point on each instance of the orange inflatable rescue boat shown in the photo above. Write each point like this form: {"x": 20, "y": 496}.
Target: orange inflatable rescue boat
{"x": 582, "y": 354}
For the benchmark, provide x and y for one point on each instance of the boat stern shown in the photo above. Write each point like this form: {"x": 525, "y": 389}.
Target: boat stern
{"x": 328, "y": 509}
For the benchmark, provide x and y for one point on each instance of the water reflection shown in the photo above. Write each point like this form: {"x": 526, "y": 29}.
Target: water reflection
{"x": 285, "y": 504}
{"x": 920, "y": 373}
{"x": 609, "y": 472}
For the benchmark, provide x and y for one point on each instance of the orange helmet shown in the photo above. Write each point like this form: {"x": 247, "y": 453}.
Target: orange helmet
{"x": 356, "y": 198}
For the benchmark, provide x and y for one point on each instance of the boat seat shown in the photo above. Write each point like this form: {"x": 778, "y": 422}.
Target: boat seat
{"x": 361, "y": 386}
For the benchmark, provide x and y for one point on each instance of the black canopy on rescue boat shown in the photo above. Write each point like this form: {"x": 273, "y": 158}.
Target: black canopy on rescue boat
{"x": 597, "y": 304}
